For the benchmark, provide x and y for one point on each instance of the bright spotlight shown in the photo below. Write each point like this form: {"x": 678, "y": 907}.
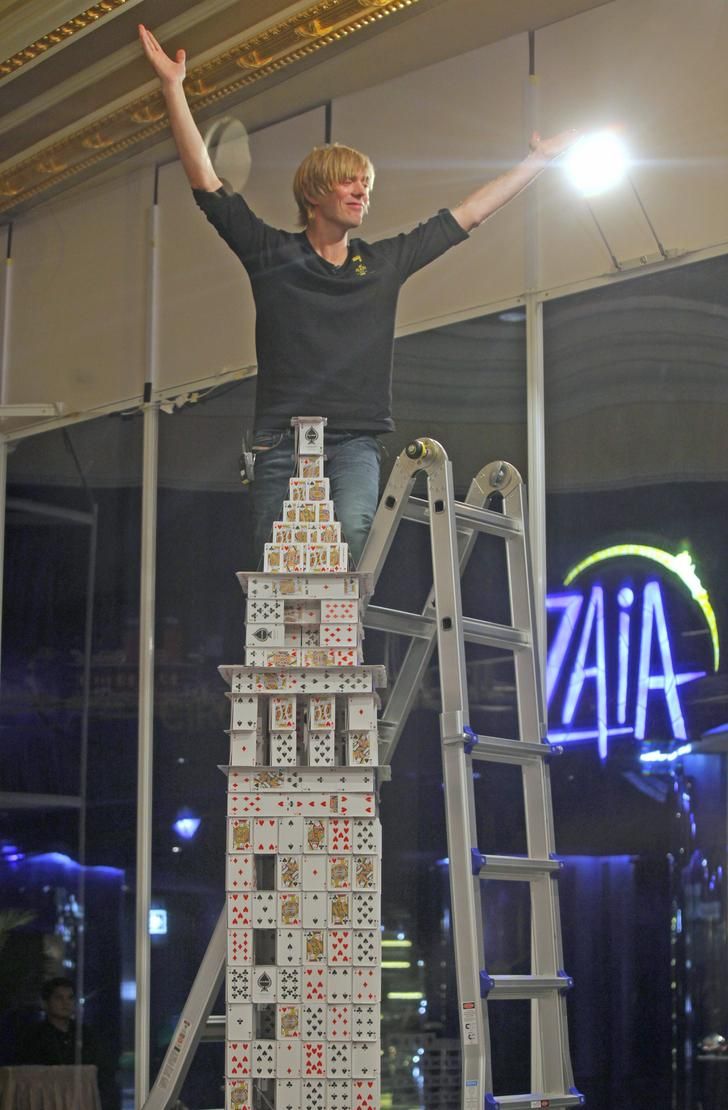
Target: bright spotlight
{"x": 596, "y": 162}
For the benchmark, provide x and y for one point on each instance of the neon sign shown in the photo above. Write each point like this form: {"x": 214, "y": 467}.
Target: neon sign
{"x": 610, "y": 669}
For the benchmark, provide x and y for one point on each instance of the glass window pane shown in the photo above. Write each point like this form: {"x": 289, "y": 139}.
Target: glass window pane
{"x": 637, "y": 500}
{"x": 69, "y": 725}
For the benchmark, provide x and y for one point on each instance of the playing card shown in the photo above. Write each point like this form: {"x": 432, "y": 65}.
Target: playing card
{"x": 289, "y": 984}
{"x": 238, "y": 984}
{"x": 244, "y": 712}
{"x": 239, "y": 910}
{"x": 340, "y": 838}
{"x": 367, "y": 837}
{"x": 240, "y": 946}
{"x": 366, "y": 946}
{"x": 365, "y": 1060}
{"x": 366, "y": 1022}
{"x": 244, "y": 749}
{"x": 239, "y": 872}
{"x": 365, "y": 1094}
{"x": 282, "y": 713}
{"x": 264, "y": 1059}
{"x": 338, "y": 1022}
{"x": 311, "y": 466}
{"x": 338, "y": 1059}
{"x": 339, "y": 983}
{"x": 339, "y": 1094}
{"x": 313, "y": 1021}
{"x": 339, "y": 946}
{"x": 362, "y": 748}
{"x": 314, "y": 872}
{"x": 314, "y": 834}
{"x": 264, "y": 635}
{"x": 238, "y": 1094}
{"x": 366, "y": 872}
{"x": 288, "y": 1094}
{"x": 284, "y": 558}
{"x": 264, "y": 984}
{"x": 290, "y": 909}
{"x": 366, "y": 910}
{"x": 288, "y": 1021}
{"x": 289, "y": 947}
{"x": 264, "y": 612}
{"x": 361, "y": 711}
{"x": 339, "y": 635}
{"x": 290, "y": 835}
{"x": 314, "y": 983}
{"x": 288, "y": 872}
{"x": 314, "y": 1059}
{"x": 239, "y": 1021}
{"x": 314, "y": 909}
{"x": 283, "y": 751}
{"x": 366, "y": 985}
{"x": 339, "y": 909}
{"x": 313, "y": 1094}
{"x": 237, "y": 1059}
{"x": 265, "y": 835}
{"x": 314, "y": 946}
{"x": 265, "y": 909}
{"x": 240, "y": 834}
{"x": 289, "y": 1058}
{"x": 321, "y": 749}
{"x": 339, "y": 873}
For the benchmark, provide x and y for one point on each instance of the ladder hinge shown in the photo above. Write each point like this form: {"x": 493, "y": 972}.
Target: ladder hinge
{"x": 477, "y": 860}
{"x": 486, "y": 984}
{"x": 471, "y": 739}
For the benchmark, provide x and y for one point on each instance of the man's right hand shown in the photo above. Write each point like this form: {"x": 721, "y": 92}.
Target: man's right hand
{"x": 168, "y": 71}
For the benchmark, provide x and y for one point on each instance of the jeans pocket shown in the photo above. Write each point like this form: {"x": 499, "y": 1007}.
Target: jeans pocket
{"x": 267, "y": 440}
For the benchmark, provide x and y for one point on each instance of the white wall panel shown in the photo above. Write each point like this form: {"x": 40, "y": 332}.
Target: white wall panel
{"x": 434, "y": 136}
{"x": 78, "y": 312}
{"x": 206, "y": 316}
{"x": 655, "y": 68}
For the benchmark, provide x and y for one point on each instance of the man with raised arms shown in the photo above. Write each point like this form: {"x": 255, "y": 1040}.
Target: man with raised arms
{"x": 326, "y": 302}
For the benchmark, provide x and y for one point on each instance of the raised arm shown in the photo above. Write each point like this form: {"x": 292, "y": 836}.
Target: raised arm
{"x": 476, "y": 208}
{"x": 190, "y": 145}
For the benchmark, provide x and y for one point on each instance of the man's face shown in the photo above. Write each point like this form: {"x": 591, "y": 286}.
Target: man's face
{"x": 61, "y": 1004}
{"x": 346, "y": 205}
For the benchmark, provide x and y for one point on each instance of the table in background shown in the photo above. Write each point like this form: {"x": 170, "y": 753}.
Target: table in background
{"x": 44, "y": 1088}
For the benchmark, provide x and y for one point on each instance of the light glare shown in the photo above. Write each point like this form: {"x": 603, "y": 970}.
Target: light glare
{"x": 596, "y": 162}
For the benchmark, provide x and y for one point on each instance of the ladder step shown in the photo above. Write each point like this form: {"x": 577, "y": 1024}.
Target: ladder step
{"x": 494, "y": 635}
{"x": 537, "y": 1099}
{"x": 214, "y": 1028}
{"x": 468, "y": 516}
{"x": 517, "y": 868}
{"x": 417, "y": 625}
{"x": 496, "y": 749}
{"x": 500, "y": 987}
{"x": 423, "y": 627}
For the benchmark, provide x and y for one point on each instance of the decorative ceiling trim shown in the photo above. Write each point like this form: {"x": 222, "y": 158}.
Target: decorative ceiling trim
{"x": 58, "y": 35}
{"x": 247, "y": 62}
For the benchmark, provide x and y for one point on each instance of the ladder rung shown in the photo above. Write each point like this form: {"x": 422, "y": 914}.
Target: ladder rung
{"x": 495, "y": 749}
{"x": 469, "y": 516}
{"x": 517, "y": 868}
{"x": 214, "y": 1028}
{"x": 525, "y": 986}
{"x": 535, "y": 1098}
{"x": 418, "y": 625}
{"x": 494, "y": 635}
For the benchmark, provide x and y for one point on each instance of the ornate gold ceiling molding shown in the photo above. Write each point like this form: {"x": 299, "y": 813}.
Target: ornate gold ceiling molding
{"x": 60, "y": 34}
{"x": 249, "y": 61}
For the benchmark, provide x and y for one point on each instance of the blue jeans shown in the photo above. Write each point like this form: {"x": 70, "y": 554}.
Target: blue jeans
{"x": 352, "y": 465}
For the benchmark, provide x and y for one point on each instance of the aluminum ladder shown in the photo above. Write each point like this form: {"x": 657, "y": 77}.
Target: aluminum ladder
{"x": 454, "y": 528}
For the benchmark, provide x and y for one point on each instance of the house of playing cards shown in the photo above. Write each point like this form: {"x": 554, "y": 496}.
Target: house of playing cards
{"x": 303, "y": 835}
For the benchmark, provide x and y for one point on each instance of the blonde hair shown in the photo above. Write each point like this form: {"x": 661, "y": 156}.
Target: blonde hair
{"x": 323, "y": 168}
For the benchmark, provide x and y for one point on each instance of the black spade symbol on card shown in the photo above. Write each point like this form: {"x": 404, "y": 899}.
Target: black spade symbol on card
{"x": 262, "y": 634}
{"x": 264, "y": 981}
{"x": 311, "y": 435}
